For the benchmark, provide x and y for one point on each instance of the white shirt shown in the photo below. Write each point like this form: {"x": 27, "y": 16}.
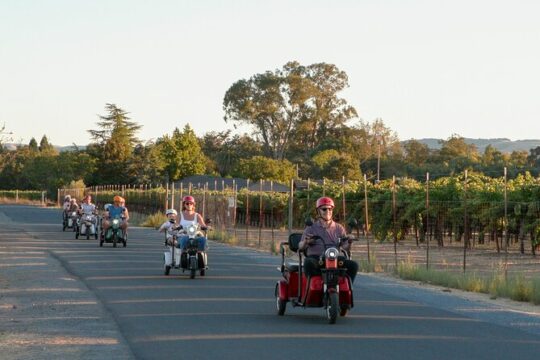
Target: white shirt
{"x": 185, "y": 223}
{"x": 88, "y": 208}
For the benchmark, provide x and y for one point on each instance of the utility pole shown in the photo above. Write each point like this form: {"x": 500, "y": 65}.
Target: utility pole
{"x": 378, "y": 159}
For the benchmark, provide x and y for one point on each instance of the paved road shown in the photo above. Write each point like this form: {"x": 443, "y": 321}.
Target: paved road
{"x": 230, "y": 313}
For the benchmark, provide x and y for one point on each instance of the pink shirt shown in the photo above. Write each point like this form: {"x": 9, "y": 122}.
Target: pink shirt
{"x": 330, "y": 236}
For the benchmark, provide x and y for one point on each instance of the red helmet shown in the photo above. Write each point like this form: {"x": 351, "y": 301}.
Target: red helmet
{"x": 325, "y": 201}
{"x": 188, "y": 198}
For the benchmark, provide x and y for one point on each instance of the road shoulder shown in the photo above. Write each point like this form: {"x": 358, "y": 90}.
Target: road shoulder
{"x": 46, "y": 312}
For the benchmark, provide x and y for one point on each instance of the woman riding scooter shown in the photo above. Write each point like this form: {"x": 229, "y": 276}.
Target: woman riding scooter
{"x": 188, "y": 216}
{"x": 329, "y": 232}
{"x": 87, "y": 217}
{"x": 116, "y": 211}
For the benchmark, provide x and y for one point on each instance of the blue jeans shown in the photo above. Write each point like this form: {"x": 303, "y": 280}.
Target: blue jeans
{"x": 201, "y": 242}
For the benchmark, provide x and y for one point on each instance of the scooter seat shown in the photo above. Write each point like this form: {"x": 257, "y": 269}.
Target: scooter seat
{"x": 292, "y": 266}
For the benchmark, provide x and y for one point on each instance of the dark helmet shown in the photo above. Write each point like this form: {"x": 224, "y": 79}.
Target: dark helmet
{"x": 325, "y": 201}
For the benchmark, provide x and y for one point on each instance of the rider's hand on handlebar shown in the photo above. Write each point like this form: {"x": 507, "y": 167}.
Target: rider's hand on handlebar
{"x": 310, "y": 239}
{"x": 349, "y": 239}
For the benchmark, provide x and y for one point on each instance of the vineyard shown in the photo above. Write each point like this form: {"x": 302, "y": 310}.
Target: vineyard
{"x": 469, "y": 209}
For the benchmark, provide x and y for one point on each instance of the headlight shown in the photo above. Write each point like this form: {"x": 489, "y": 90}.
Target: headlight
{"x": 331, "y": 254}
{"x": 115, "y": 221}
{"x": 191, "y": 230}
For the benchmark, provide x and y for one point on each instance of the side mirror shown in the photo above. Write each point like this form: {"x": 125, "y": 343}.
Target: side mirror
{"x": 208, "y": 220}
{"x": 309, "y": 221}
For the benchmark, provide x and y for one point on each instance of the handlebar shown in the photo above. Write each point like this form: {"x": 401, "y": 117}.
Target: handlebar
{"x": 313, "y": 239}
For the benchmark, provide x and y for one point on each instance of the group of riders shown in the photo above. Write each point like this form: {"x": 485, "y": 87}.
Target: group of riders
{"x": 322, "y": 240}
{"x": 324, "y": 228}
{"x": 188, "y": 216}
{"x": 116, "y": 210}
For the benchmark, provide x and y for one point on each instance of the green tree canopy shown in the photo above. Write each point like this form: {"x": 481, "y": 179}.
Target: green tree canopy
{"x": 264, "y": 168}
{"x": 299, "y": 101}
{"x": 416, "y": 152}
{"x": 225, "y": 151}
{"x": 181, "y": 154}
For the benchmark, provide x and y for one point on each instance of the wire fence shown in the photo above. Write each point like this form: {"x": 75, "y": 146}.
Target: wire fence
{"x": 23, "y": 197}
{"x": 456, "y": 225}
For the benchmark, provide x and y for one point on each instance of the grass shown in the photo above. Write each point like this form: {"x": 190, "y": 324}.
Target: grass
{"x": 155, "y": 220}
{"x": 497, "y": 285}
{"x": 369, "y": 266}
{"x": 223, "y": 236}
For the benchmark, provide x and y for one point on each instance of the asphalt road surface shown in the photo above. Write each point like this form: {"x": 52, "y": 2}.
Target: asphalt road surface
{"x": 131, "y": 310}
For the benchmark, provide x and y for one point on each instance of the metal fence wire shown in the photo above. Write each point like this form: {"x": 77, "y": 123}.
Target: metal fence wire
{"x": 409, "y": 223}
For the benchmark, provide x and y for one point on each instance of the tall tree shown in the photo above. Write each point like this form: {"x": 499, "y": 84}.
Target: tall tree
{"x": 33, "y": 145}
{"x": 113, "y": 145}
{"x": 181, "y": 154}
{"x": 45, "y": 147}
{"x": 294, "y": 100}
{"x": 416, "y": 152}
{"x": 322, "y": 114}
{"x": 456, "y": 147}
{"x": 146, "y": 165}
{"x": 226, "y": 151}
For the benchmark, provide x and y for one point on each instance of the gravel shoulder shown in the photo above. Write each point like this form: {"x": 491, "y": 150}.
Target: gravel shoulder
{"x": 46, "y": 312}
{"x": 505, "y": 312}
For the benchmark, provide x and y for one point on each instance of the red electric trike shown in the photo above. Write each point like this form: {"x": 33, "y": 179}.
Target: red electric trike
{"x": 331, "y": 290}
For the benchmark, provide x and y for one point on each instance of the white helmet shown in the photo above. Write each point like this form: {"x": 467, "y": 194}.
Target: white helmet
{"x": 171, "y": 211}
{"x": 106, "y": 207}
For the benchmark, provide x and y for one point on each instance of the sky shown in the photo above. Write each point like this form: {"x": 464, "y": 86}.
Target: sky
{"x": 427, "y": 68}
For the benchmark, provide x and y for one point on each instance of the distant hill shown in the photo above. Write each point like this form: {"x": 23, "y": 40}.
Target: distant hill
{"x": 11, "y": 146}
{"x": 501, "y": 144}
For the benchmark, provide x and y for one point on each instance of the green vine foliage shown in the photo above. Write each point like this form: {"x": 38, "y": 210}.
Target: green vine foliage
{"x": 482, "y": 199}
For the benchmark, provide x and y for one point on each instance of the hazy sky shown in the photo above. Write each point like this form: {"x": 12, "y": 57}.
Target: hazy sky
{"x": 428, "y": 68}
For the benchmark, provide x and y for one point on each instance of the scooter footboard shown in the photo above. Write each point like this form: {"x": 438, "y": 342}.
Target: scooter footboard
{"x": 168, "y": 258}
{"x": 292, "y": 284}
{"x": 283, "y": 290}
{"x": 345, "y": 291}
{"x": 314, "y": 296}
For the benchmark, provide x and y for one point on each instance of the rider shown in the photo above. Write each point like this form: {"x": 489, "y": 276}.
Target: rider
{"x": 65, "y": 205}
{"x": 188, "y": 216}
{"x": 116, "y": 210}
{"x": 87, "y": 207}
{"x": 73, "y": 206}
{"x": 330, "y": 232}
{"x": 171, "y": 221}
{"x": 123, "y": 203}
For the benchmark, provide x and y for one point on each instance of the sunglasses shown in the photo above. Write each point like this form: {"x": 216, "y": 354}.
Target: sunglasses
{"x": 188, "y": 203}
{"x": 326, "y": 209}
